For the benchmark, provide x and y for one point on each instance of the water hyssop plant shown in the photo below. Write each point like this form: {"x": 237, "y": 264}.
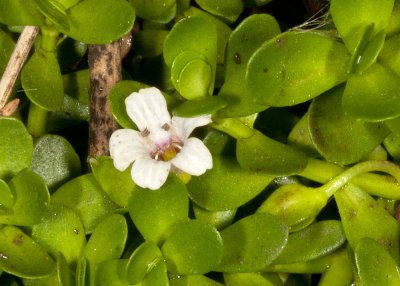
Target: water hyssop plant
{"x": 203, "y": 142}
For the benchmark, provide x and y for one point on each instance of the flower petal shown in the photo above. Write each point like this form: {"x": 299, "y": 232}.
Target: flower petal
{"x": 126, "y": 146}
{"x": 149, "y": 173}
{"x": 148, "y": 109}
{"x": 185, "y": 126}
{"x": 194, "y": 158}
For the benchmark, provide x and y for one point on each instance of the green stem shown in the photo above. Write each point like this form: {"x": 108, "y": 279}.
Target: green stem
{"x": 48, "y": 42}
{"x": 381, "y": 166}
{"x": 374, "y": 184}
{"x": 233, "y": 127}
{"x": 36, "y": 120}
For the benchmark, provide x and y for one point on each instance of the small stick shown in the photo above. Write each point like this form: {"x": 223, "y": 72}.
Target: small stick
{"x": 105, "y": 72}
{"x": 17, "y": 60}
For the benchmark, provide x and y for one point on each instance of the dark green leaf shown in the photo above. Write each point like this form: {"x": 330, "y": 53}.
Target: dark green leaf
{"x": 21, "y": 256}
{"x": 373, "y": 95}
{"x": 295, "y": 67}
{"x": 337, "y": 136}
{"x": 259, "y": 153}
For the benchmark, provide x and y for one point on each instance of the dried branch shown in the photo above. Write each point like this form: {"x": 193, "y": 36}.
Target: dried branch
{"x": 105, "y": 72}
{"x": 14, "y": 66}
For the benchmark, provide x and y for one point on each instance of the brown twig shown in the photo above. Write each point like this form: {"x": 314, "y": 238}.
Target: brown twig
{"x": 14, "y": 66}
{"x": 105, "y": 72}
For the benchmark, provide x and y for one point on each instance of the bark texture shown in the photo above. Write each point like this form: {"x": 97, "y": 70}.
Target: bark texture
{"x": 105, "y": 72}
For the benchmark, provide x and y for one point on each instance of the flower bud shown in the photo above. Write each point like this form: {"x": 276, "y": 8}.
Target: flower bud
{"x": 295, "y": 204}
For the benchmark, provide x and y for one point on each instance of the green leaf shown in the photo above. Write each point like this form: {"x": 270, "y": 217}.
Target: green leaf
{"x": 340, "y": 270}
{"x": 31, "y": 198}
{"x": 85, "y": 196}
{"x": 180, "y": 62}
{"x": 195, "y": 79}
{"x": 55, "y": 12}
{"x": 157, "y": 276}
{"x": 155, "y": 212}
{"x": 252, "y": 243}
{"x": 16, "y": 145}
{"x": 55, "y": 160}
{"x": 20, "y": 13}
{"x": 218, "y": 219}
{"x": 392, "y": 145}
{"x": 367, "y": 53}
{"x": 112, "y": 20}
{"x": 351, "y": 17}
{"x": 339, "y": 137}
{"x": 107, "y": 240}
{"x": 251, "y": 279}
{"x": 142, "y": 262}
{"x": 259, "y": 153}
{"x": 149, "y": 43}
{"x": 326, "y": 237}
{"x": 118, "y": 185}
{"x": 71, "y": 113}
{"x": 223, "y": 32}
{"x": 192, "y": 248}
{"x": 61, "y": 230}
{"x": 300, "y": 137}
{"x": 193, "y": 280}
{"x": 228, "y": 10}
{"x": 374, "y": 264}
{"x": 359, "y": 212}
{"x": 21, "y": 256}
{"x": 243, "y": 42}
{"x": 201, "y": 106}
{"x": 76, "y": 85}
{"x": 197, "y": 34}
{"x": 159, "y": 11}
{"x": 389, "y": 56}
{"x": 109, "y": 273}
{"x": 7, "y": 47}
{"x": 254, "y": 3}
{"x": 295, "y": 67}
{"x": 226, "y": 186}
{"x": 106, "y": 243}
{"x": 373, "y": 95}
{"x": 42, "y": 82}
{"x": 6, "y": 196}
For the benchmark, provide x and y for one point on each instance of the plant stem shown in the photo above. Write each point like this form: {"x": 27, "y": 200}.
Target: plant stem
{"x": 105, "y": 72}
{"x": 374, "y": 184}
{"x": 368, "y": 166}
{"x": 15, "y": 63}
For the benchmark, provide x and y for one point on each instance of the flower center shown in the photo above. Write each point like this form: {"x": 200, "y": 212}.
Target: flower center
{"x": 168, "y": 152}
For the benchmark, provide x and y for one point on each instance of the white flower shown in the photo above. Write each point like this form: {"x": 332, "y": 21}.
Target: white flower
{"x": 161, "y": 145}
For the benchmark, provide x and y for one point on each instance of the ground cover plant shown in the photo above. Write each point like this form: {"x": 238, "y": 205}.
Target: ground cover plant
{"x": 205, "y": 142}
